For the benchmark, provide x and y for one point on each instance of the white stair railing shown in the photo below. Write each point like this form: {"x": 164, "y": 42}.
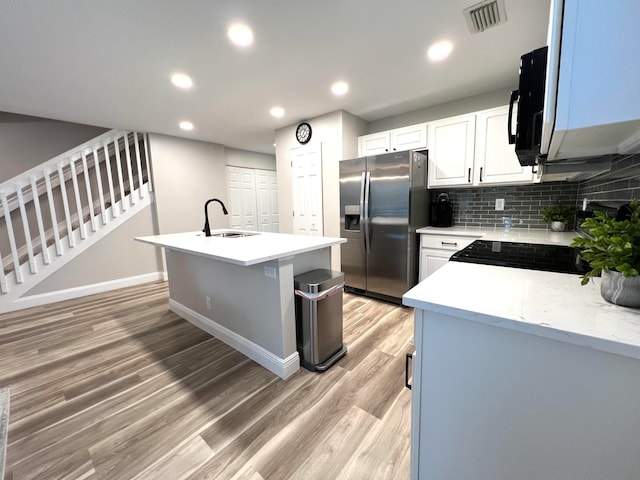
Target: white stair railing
{"x": 47, "y": 211}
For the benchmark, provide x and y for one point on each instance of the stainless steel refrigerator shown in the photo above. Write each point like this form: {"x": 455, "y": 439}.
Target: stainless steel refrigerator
{"x": 383, "y": 200}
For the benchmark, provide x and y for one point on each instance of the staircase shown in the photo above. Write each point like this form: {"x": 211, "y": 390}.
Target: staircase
{"x": 55, "y": 211}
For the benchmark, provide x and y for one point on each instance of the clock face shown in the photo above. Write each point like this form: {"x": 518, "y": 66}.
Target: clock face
{"x": 303, "y": 133}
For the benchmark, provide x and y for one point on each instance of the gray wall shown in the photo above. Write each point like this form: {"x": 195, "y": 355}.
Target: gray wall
{"x": 114, "y": 257}
{"x": 29, "y": 141}
{"x": 450, "y": 109}
{"x": 185, "y": 174}
{"x": 243, "y": 158}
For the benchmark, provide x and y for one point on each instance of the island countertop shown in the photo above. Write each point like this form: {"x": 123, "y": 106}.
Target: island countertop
{"x": 546, "y": 304}
{"x": 256, "y": 248}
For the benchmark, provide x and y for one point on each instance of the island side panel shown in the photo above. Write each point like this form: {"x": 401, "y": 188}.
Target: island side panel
{"x": 500, "y": 404}
{"x": 243, "y": 299}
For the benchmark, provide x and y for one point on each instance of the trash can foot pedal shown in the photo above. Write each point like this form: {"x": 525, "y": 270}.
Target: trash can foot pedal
{"x": 321, "y": 367}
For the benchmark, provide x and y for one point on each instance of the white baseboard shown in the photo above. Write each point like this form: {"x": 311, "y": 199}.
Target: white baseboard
{"x": 84, "y": 290}
{"x": 283, "y": 367}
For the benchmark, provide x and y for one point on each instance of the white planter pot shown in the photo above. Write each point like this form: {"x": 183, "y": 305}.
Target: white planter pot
{"x": 558, "y": 226}
{"x": 620, "y": 290}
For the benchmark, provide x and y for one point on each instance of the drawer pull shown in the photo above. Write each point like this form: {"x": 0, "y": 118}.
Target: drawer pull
{"x": 406, "y": 371}
{"x": 451, "y": 244}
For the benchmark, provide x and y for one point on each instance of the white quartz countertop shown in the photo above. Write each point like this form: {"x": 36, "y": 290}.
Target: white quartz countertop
{"x": 243, "y": 251}
{"x": 524, "y": 235}
{"x": 546, "y": 304}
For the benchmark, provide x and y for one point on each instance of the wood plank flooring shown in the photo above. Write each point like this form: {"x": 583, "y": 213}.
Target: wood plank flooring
{"x": 115, "y": 386}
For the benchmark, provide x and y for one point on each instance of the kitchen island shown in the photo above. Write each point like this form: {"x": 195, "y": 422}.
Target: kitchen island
{"x": 240, "y": 288}
{"x": 522, "y": 374}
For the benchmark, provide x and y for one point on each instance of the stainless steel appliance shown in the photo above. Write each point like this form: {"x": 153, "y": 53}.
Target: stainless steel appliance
{"x": 383, "y": 199}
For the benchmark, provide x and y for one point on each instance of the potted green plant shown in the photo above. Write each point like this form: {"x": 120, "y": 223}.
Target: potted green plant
{"x": 558, "y": 216}
{"x": 614, "y": 253}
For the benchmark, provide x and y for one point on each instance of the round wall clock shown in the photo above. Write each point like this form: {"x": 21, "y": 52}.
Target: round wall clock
{"x": 303, "y": 133}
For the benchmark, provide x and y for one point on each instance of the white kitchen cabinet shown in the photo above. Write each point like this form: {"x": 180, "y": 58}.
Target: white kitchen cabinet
{"x": 495, "y": 160}
{"x": 435, "y": 250}
{"x": 412, "y": 137}
{"x": 473, "y": 150}
{"x": 592, "y": 106}
{"x": 451, "y": 149}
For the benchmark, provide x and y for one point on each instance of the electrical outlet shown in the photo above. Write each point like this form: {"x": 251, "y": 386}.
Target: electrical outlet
{"x": 270, "y": 272}
{"x": 499, "y": 203}
{"x": 208, "y": 302}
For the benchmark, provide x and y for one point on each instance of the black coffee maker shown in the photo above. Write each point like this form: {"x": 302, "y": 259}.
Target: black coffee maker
{"x": 442, "y": 211}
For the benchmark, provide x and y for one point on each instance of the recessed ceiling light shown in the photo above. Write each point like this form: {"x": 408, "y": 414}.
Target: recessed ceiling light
{"x": 240, "y": 34}
{"x": 185, "y": 125}
{"x": 277, "y": 112}
{"x": 439, "y": 50}
{"x": 340, "y": 88}
{"x": 181, "y": 80}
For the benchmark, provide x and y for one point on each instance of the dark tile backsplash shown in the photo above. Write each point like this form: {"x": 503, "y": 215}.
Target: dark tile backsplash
{"x": 476, "y": 206}
{"x": 621, "y": 183}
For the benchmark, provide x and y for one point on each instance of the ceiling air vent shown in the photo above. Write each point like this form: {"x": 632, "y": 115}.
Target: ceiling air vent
{"x": 484, "y": 15}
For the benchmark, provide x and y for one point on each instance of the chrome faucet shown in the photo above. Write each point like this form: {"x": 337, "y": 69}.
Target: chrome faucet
{"x": 207, "y": 229}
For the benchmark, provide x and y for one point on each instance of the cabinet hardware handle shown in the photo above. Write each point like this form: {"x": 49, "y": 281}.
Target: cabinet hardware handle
{"x": 534, "y": 169}
{"x": 406, "y": 371}
{"x": 469, "y": 176}
{"x": 481, "y": 173}
{"x": 452, "y": 244}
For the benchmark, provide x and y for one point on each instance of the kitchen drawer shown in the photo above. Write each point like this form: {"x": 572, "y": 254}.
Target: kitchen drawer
{"x": 446, "y": 242}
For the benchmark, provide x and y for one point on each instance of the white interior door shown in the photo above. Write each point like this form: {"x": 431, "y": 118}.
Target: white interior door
{"x": 253, "y": 199}
{"x": 306, "y": 163}
{"x": 234, "y": 189}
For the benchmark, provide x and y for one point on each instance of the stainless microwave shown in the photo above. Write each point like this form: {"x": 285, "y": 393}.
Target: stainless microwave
{"x": 530, "y": 105}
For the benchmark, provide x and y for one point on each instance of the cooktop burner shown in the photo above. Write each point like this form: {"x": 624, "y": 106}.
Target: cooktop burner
{"x": 532, "y": 256}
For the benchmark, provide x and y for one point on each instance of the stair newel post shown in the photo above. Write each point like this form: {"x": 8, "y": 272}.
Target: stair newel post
{"x": 12, "y": 239}
{"x": 132, "y": 186}
{"x": 52, "y": 211}
{"x": 138, "y": 164}
{"x": 107, "y": 166}
{"x": 145, "y": 138}
{"x": 26, "y": 229}
{"x": 116, "y": 144}
{"x": 96, "y": 166}
{"x": 65, "y": 203}
{"x": 36, "y": 204}
{"x": 87, "y": 182}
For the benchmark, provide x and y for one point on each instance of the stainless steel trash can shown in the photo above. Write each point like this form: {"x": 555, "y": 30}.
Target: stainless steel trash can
{"x": 319, "y": 318}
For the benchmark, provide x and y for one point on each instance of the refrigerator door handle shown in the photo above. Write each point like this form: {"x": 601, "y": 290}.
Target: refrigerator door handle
{"x": 367, "y": 238}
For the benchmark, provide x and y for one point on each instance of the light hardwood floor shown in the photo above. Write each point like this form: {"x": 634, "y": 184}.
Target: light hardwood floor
{"x": 115, "y": 386}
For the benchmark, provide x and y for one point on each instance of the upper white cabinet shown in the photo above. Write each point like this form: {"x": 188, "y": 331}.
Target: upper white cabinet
{"x": 451, "y": 148}
{"x": 406, "y": 138}
{"x": 593, "y": 60}
{"x": 495, "y": 159}
{"x": 473, "y": 150}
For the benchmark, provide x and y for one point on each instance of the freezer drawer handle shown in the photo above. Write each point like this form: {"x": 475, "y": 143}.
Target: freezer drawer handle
{"x": 316, "y": 297}
{"x": 406, "y": 371}
{"x": 451, "y": 244}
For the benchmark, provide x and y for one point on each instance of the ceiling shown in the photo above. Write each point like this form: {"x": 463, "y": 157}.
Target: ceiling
{"x": 108, "y": 63}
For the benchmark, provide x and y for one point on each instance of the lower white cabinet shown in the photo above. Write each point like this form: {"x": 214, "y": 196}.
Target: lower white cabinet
{"x": 436, "y": 249}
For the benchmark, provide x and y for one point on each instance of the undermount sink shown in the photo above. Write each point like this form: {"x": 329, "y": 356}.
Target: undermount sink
{"x": 232, "y": 234}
